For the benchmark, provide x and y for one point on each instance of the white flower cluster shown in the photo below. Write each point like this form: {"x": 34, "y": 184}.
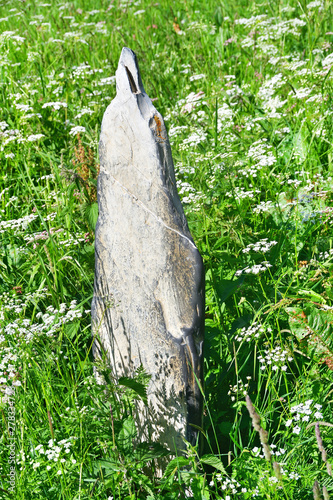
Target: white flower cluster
{"x": 84, "y": 111}
{"x": 251, "y": 171}
{"x": 84, "y": 70}
{"x": 239, "y": 389}
{"x": 16, "y": 135}
{"x": 77, "y": 130}
{"x": 326, "y": 255}
{"x": 224, "y": 117}
{"x": 276, "y": 452}
{"x": 262, "y": 246}
{"x": 315, "y": 4}
{"x": 328, "y": 61}
{"x": 271, "y": 105}
{"x": 303, "y": 412}
{"x": 251, "y": 21}
{"x": 71, "y": 240}
{"x": 26, "y": 330}
{"x": 49, "y": 177}
{"x": 34, "y": 137}
{"x": 74, "y": 35}
{"x": 8, "y": 370}
{"x": 55, "y": 233}
{"x": 239, "y": 193}
{"x": 43, "y": 235}
{"x": 72, "y": 413}
{"x": 175, "y": 130}
{"x": 54, "y": 105}
{"x": 197, "y": 77}
{"x": 228, "y": 485}
{"x": 199, "y": 25}
{"x": 54, "y": 455}
{"x": 7, "y": 35}
{"x": 188, "y": 194}
{"x": 53, "y": 451}
{"x": 294, "y": 476}
{"x": 275, "y": 358}
{"x": 186, "y": 68}
{"x": 259, "y": 452}
{"x": 193, "y": 140}
{"x": 294, "y": 182}
{"x": 300, "y": 93}
{"x": 10, "y": 136}
{"x": 260, "y": 152}
{"x": 252, "y": 332}
{"x": 269, "y": 87}
{"x": 16, "y": 305}
{"x": 255, "y": 269}
{"x": 17, "y": 224}
{"x": 23, "y": 107}
{"x": 191, "y": 101}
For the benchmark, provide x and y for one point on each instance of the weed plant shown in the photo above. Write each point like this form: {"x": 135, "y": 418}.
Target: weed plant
{"x": 246, "y": 92}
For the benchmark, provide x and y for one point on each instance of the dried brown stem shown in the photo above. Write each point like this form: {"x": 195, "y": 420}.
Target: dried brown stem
{"x": 263, "y": 434}
{"x": 316, "y": 491}
{"x": 325, "y": 493}
{"x": 322, "y": 449}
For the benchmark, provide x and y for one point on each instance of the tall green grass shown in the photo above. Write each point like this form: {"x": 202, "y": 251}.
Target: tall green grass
{"x": 246, "y": 92}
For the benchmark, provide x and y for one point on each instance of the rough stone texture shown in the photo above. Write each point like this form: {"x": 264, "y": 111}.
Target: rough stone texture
{"x": 148, "y": 306}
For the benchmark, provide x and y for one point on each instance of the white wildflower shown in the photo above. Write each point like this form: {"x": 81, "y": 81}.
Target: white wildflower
{"x": 77, "y": 130}
{"x": 197, "y": 77}
{"x": 54, "y": 105}
{"x": 35, "y": 137}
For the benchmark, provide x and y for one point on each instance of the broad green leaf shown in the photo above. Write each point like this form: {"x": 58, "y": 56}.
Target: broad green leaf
{"x": 128, "y": 429}
{"x": 91, "y": 213}
{"x": 226, "y": 288}
{"x": 314, "y": 325}
{"x": 71, "y": 329}
{"x": 225, "y": 428}
{"x": 109, "y": 466}
{"x": 175, "y": 464}
{"x": 297, "y": 322}
{"x": 312, "y": 295}
{"x": 239, "y": 323}
{"x": 213, "y": 461}
{"x": 137, "y": 387}
{"x": 145, "y": 451}
{"x": 320, "y": 323}
{"x": 127, "y": 434}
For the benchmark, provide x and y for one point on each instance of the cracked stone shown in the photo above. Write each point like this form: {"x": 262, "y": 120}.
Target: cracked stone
{"x": 148, "y": 305}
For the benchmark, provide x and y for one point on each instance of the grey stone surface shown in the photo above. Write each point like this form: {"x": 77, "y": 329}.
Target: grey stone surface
{"x": 148, "y": 306}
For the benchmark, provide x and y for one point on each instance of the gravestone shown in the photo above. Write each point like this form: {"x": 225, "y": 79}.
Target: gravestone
{"x": 148, "y": 305}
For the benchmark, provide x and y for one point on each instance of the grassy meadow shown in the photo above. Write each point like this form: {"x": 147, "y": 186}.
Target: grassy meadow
{"x": 246, "y": 92}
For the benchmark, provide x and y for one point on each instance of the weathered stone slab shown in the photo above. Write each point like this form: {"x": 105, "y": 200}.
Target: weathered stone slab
{"x": 148, "y": 306}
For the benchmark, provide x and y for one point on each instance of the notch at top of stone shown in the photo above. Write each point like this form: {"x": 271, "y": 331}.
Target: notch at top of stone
{"x": 128, "y": 76}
